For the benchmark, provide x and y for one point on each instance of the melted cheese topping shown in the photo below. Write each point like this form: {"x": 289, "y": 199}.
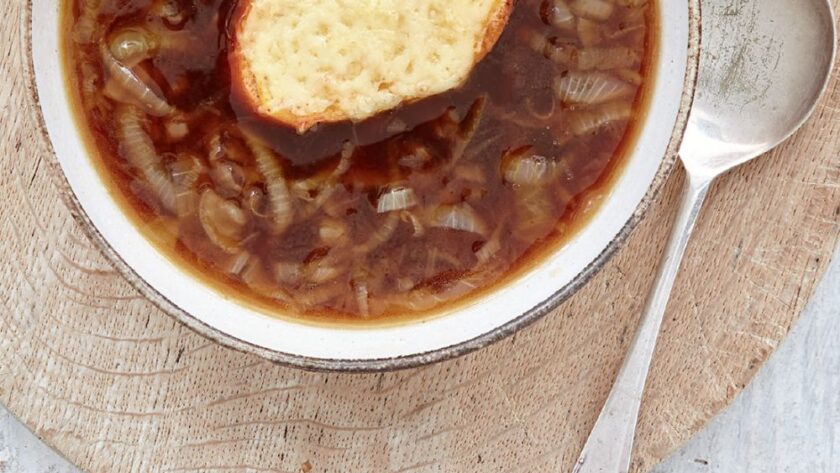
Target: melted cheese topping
{"x": 306, "y": 61}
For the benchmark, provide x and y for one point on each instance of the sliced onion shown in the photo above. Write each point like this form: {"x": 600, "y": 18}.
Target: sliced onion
{"x": 347, "y": 151}
{"x": 447, "y": 125}
{"x": 254, "y": 277}
{"x": 320, "y": 273}
{"x": 630, "y": 76}
{"x": 177, "y": 128}
{"x": 86, "y": 30}
{"x": 320, "y": 295}
{"x": 360, "y": 290}
{"x": 228, "y": 177}
{"x": 557, "y": 13}
{"x": 618, "y": 57}
{"x": 288, "y": 273}
{"x": 529, "y": 169}
{"x": 238, "y": 263}
{"x": 137, "y": 92}
{"x": 534, "y": 213}
{"x": 223, "y": 221}
{"x": 416, "y": 158}
{"x": 185, "y": 172}
{"x": 423, "y": 299}
{"x": 467, "y": 130}
{"x": 318, "y": 190}
{"x": 591, "y": 88}
{"x": 333, "y": 232}
{"x": 255, "y": 201}
{"x": 397, "y": 198}
{"x": 304, "y": 190}
{"x": 282, "y": 209}
{"x": 216, "y": 149}
{"x": 170, "y": 12}
{"x": 139, "y": 150}
{"x": 589, "y": 121}
{"x": 589, "y": 32}
{"x": 563, "y": 54}
{"x": 132, "y": 46}
{"x": 341, "y": 202}
{"x": 458, "y": 217}
{"x": 89, "y": 83}
{"x": 489, "y": 250}
{"x": 595, "y": 9}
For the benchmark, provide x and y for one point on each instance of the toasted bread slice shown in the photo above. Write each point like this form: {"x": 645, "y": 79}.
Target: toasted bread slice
{"x": 303, "y": 62}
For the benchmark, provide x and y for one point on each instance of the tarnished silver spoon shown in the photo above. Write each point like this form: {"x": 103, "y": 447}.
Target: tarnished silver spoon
{"x": 745, "y": 106}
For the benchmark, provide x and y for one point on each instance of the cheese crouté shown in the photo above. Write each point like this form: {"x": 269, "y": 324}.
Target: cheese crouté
{"x": 304, "y": 62}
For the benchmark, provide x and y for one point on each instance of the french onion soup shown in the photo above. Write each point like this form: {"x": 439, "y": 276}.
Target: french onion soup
{"x": 356, "y": 160}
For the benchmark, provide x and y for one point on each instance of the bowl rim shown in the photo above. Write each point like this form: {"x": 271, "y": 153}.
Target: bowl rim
{"x": 500, "y": 332}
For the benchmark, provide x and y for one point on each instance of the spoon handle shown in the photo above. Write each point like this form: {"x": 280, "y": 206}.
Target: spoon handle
{"x": 610, "y": 444}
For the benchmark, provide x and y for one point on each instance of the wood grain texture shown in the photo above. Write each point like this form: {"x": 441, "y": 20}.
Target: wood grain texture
{"x": 116, "y": 385}
{"x": 786, "y": 420}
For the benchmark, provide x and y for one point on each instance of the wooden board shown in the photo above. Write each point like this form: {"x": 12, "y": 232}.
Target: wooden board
{"x": 115, "y": 385}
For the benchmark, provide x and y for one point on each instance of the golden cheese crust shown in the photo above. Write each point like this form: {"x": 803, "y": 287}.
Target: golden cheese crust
{"x": 304, "y": 62}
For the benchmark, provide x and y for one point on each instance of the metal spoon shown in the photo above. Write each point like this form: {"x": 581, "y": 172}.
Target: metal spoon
{"x": 746, "y": 106}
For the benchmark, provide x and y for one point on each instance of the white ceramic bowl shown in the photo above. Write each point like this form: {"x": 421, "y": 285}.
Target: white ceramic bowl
{"x": 463, "y": 329}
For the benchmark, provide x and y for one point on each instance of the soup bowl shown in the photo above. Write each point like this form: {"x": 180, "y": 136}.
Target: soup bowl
{"x": 532, "y": 294}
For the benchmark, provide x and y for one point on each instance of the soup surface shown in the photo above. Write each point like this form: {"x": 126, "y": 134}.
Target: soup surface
{"x": 396, "y": 216}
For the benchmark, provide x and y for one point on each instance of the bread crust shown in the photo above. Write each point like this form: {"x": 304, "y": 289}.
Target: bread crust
{"x": 245, "y": 91}
{"x": 495, "y": 28}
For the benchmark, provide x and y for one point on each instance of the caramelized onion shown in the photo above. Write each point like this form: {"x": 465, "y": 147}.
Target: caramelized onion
{"x": 238, "y": 262}
{"x": 397, "y": 198}
{"x": 360, "y": 290}
{"x": 557, "y": 13}
{"x": 86, "y": 30}
{"x": 228, "y": 177}
{"x": 595, "y": 9}
{"x": 589, "y": 121}
{"x": 458, "y": 217}
{"x": 282, "y": 209}
{"x": 185, "y": 172}
{"x": 590, "y": 88}
{"x": 288, "y": 273}
{"x": 132, "y": 46}
{"x": 136, "y": 91}
{"x": 467, "y": 130}
{"x": 222, "y": 220}
{"x": 333, "y": 232}
{"x": 321, "y": 273}
{"x": 527, "y": 168}
{"x": 139, "y": 150}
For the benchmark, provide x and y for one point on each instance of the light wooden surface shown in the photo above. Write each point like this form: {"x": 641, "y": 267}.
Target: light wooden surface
{"x": 115, "y": 385}
{"x": 786, "y": 420}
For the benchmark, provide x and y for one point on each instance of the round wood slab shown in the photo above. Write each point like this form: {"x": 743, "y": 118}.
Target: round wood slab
{"x": 116, "y": 385}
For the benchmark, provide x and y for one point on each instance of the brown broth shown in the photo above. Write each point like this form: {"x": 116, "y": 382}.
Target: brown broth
{"x": 412, "y": 273}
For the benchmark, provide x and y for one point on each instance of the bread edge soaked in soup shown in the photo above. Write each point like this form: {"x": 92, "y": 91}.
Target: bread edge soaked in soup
{"x": 255, "y": 92}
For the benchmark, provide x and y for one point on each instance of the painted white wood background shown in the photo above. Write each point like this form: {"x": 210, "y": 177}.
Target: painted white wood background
{"x": 787, "y": 420}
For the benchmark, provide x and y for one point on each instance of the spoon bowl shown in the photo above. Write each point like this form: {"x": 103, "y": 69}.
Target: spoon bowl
{"x": 757, "y": 91}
